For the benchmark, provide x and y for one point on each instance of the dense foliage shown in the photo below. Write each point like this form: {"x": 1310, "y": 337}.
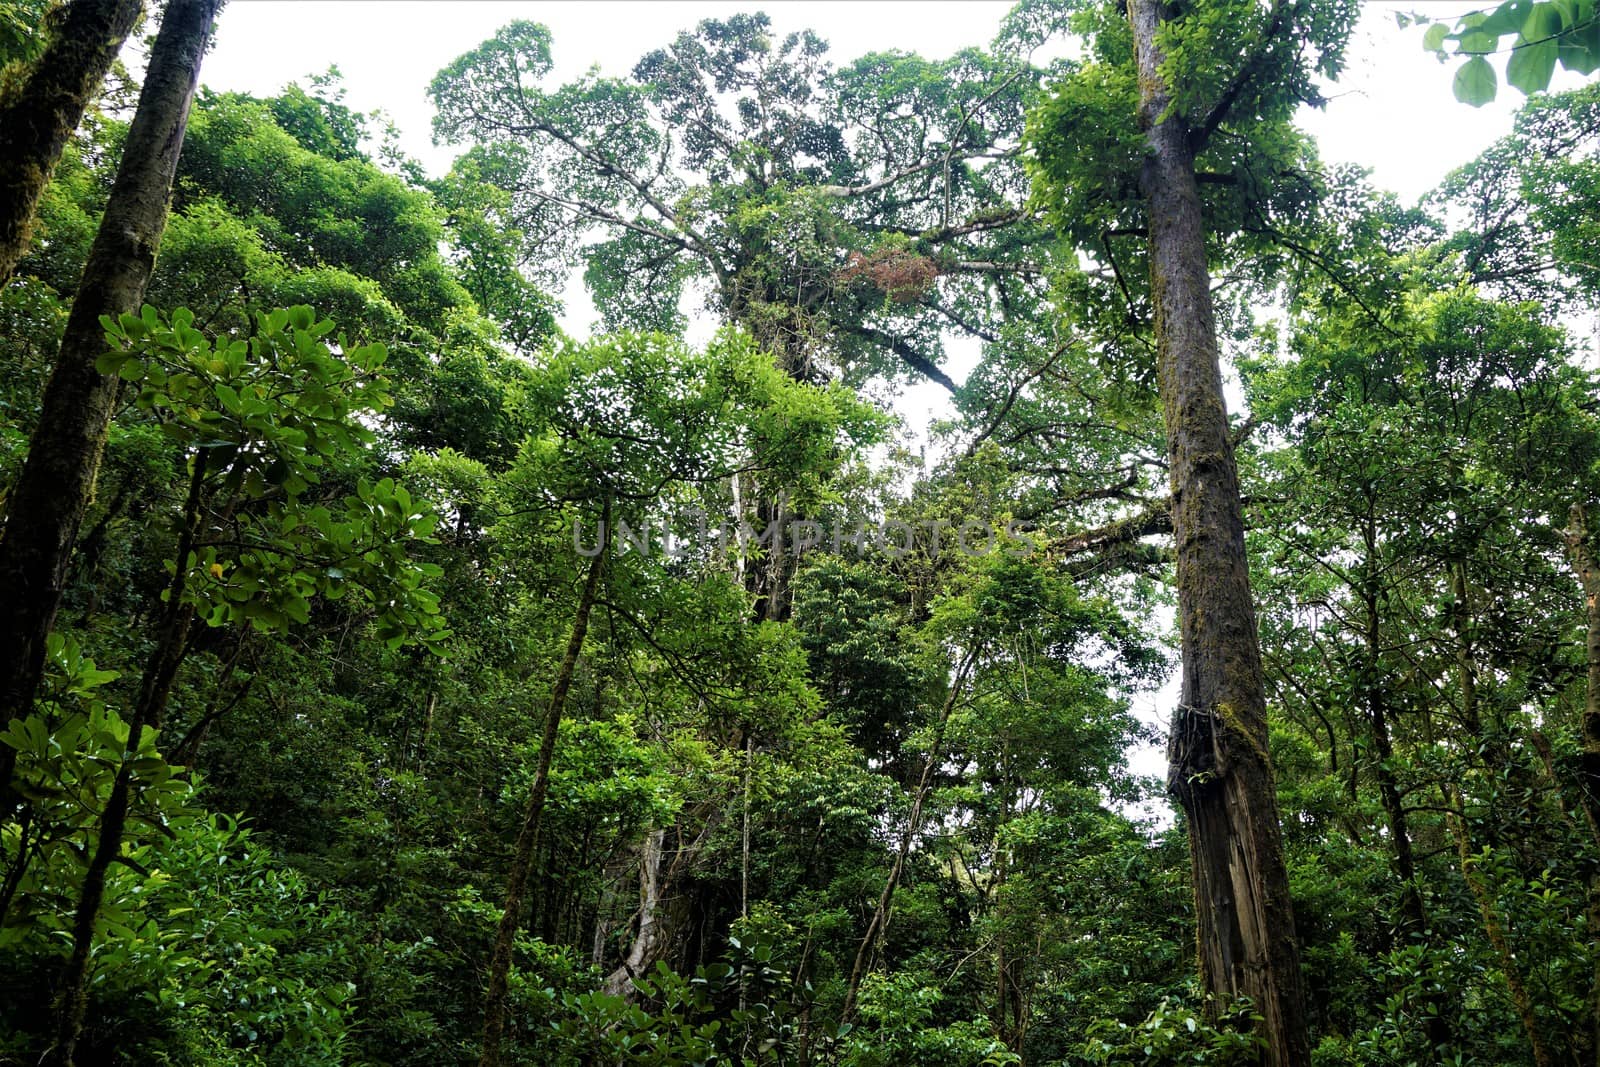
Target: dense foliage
{"x": 794, "y": 745}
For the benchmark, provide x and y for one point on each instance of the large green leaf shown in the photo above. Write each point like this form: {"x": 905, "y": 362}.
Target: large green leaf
{"x": 1543, "y": 22}
{"x": 1531, "y": 65}
{"x": 1476, "y": 83}
{"x": 1580, "y": 49}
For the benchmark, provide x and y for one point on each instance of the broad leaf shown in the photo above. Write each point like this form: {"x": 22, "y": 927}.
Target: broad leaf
{"x": 1531, "y": 66}
{"x": 1476, "y": 83}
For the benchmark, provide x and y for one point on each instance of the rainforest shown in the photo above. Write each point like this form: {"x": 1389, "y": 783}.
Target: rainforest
{"x": 1027, "y": 563}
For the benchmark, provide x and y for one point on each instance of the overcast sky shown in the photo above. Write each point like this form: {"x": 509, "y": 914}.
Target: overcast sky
{"x": 1393, "y": 110}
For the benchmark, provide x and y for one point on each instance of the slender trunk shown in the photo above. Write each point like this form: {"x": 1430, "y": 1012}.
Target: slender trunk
{"x": 1494, "y": 929}
{"x": 1414, "y": 919}
{"x": 602, "y": 919}
{"x": 19, "y": 866}
{"x": 1483, "y": 893}
{"x": 37, "y": 119}
{"x": 494, "y": 1008}
{"x": 172, "y": 641}
{"x": 744, "y": 869}
{"x": 1219, "y": 768}
{"x": 57, "y": 481}
{"x": 880, "y": 914}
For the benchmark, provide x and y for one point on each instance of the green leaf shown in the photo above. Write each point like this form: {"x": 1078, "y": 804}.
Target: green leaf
{"x": 1433, "y": 40}
{"x": 1507, "y": 18}
{"x": 1476, "y": 83}
{"x": 1531, "y": 66}
{"x": 1544, "y": 21}
{"x": 1580, "y": 49}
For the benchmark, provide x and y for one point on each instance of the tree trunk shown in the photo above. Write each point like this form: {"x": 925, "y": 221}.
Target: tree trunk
{"x": 172, "y": 642}
{"x": 1219, "y": 769}
{"x": 1414, "y": 917}
{"x": 57, "y": 480}
{"x": 644, "y": 941}
{"x": 880, "y": 914}
{"x": 1588, "y": 571}
{"x": 37, "y": 119}
{"x": 494, "y": 1008}
{"x": 662, "y": 912}
{"x": 1483, "y": 893}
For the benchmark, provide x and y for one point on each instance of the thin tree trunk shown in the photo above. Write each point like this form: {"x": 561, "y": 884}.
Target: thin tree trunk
{"x": 57, "y": 481}
{"x": 1482, "y": 892}
{"x": 880, "y": 914}
{"x": 1414, "y": 918}
{"x": 37, "y": 119}
{"x": 744, "y": 869}
{"x": 1219, "y": 768}
{"x": 494, "y": 1008}
{"x": 172, "y": 641}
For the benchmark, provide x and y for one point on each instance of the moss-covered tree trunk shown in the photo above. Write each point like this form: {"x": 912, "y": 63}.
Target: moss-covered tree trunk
{"x": 1219, "y": 769}
{"x": 57, "y": 481}
{"x": 38, "y": 117}
{"x": 1588, "y": 572}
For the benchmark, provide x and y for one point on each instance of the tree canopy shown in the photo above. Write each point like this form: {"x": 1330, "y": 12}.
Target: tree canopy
{"x": 423, "y": 685}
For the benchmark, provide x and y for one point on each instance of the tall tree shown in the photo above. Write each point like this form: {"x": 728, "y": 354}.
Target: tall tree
{"x": 37, "y": 117}
{"x": 57, "y": 481}
{"x": 1219, "y": 769}
{"x": 1175, "y": 95}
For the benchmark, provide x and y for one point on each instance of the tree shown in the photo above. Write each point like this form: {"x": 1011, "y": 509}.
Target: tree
{"x": 632, "y": 425}
{"x": 37, "y": 117}
{"x": 57, "y": 481}
{"x": 822, "y": 207}
{"x": 258, "y": 420}
{"x": 1164, "y": 76}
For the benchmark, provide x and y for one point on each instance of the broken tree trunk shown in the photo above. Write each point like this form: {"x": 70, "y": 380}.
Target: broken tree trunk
{"x": 1219, "y": 769}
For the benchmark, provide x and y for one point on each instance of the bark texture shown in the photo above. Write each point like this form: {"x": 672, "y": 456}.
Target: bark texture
{"x": 494, "y": 1006}
{"x": 1219, "y": 769}
{"x": 1588, "y": 572}
{"x": 665, "y": 900}
{"x": 57, "y": 481}
{"x": 37, "y": 119}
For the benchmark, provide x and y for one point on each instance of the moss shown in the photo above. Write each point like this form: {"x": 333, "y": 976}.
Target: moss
{"x": 1238, "y": 728}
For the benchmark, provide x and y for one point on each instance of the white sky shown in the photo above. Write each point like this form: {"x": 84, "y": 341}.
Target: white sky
{"x": 1392, "y": 111}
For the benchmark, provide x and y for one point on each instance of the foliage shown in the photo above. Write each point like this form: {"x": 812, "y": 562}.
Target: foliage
{"x": 1536, "y": 35}
{"x": 391, "y": 519}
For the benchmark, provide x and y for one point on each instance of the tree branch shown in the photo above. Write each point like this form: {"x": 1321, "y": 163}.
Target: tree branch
{"x": 910, "y": 357}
